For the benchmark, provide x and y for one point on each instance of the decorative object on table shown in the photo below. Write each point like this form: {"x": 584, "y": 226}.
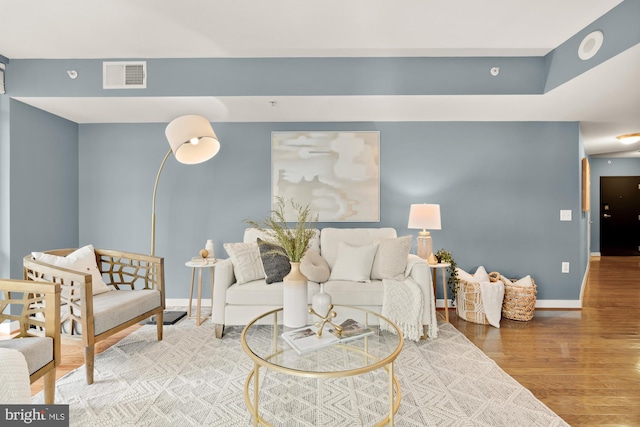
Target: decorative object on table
{"x": 350, "y": 330}
{"x": 192, "y": 141}
{"x": 345, "y": 167}
{"x": 324, "y": 319}
{"x": 519, "y": 298}
{"x": 479, "y": 297}
{"x": 295, "y": 242}
{"x": 308, "y": 339}
{"x": 209, "y": 247}
{"x": 321, "y": 302}
{"x": 204, "y": 254}
{"x": 424, "y": 216}
{"x": 445, "y": 256}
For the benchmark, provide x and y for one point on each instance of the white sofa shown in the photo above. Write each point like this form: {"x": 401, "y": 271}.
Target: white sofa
{"x": 238, "y": 304}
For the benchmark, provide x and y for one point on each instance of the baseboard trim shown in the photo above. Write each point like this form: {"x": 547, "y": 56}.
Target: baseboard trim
{"x": 596, "y": 254}
{"x": 545, "y": 303}
{"x": 184, "y": 302}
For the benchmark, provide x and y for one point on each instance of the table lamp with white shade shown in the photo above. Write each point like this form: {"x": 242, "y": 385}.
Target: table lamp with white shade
{"x": 422, "y": 217}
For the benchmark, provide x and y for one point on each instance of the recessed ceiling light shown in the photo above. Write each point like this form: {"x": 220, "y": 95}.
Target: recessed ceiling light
{"x": 590, "y": 45}
{"x": 629, "y": 138}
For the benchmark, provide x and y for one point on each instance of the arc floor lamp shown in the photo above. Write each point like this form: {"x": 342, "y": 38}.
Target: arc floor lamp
{"x": 192, "y": 141}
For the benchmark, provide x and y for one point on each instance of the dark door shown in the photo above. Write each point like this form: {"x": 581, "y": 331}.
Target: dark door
{"x": 620, "y": 215}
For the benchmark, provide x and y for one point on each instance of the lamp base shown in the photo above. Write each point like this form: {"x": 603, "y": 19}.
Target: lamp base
{"x": 168, "y": 318}
{"x": 425, "y": 245}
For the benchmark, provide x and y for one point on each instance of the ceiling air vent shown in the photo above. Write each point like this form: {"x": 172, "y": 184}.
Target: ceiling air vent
{"x": 124, "y": 75}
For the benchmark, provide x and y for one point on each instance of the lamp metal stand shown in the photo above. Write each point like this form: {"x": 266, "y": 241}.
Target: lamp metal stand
{"x": 168, "y": 317}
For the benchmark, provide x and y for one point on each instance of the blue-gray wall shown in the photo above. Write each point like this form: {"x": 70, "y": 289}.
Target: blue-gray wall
{"x": 501, "y": 187}
{"x": 601, "y": 166}
{"x": 42, "y": 184}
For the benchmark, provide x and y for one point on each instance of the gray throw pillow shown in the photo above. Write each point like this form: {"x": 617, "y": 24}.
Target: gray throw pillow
{"x": 274, "y": 261}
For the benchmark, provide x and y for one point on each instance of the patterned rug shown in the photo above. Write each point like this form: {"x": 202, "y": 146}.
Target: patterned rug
{"x": 192, "y": 379}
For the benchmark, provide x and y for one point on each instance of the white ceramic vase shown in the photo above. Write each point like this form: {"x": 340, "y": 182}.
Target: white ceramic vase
{"x": 209, "y": 248}
{"x": 321, "y": 301}
{"x": 295, "y": 308}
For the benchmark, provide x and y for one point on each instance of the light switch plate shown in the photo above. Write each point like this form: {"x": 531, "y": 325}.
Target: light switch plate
{"x": 565, "y": 215}
{"x": 565, "y": 267}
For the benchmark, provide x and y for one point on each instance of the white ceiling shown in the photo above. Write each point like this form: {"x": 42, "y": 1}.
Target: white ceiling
{"x": 606, "y": 99}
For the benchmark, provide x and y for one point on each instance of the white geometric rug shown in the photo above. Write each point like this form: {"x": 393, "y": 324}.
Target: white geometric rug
{"x": 192, "y": 379}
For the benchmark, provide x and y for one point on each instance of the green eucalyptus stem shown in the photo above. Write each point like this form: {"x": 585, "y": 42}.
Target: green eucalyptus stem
{"x": 294, "y": 241}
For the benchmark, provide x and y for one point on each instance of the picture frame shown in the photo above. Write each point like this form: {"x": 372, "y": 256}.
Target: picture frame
{"x": 336, "y": 173}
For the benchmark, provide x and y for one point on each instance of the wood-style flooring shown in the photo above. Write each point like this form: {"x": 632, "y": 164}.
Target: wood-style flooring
{"x": 583, "y": 364}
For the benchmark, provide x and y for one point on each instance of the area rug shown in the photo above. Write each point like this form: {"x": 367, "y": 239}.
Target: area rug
{"x": 192, "y": 379}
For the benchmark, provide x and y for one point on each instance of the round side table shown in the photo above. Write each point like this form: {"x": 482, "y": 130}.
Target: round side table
{"x": 442, "y": 266}
{"x": 200, "y": 265}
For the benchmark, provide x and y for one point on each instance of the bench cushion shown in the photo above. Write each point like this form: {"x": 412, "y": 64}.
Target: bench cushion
{"x": 38, "y": 351}
{"x": 113, "y": 308}
{"x": 257, "y": 292}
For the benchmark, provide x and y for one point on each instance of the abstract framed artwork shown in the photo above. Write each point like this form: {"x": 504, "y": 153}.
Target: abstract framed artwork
{"x": 336, "y": 173}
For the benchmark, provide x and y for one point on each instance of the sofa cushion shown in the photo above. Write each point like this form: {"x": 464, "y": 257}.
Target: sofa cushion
{"x": 257, "y": 292}
{"x": 344, "y": 292}
{"x": 245, "y": 257}
{"x": 390, "y": 261}
{"x": 82, "y": 260}
{"x": 275, "y": 262}
{"x": 331, "y": 237}
{"x": 314, "y": 267}
{"x": 353, "y": 262}
{"x": 37, "y": 351}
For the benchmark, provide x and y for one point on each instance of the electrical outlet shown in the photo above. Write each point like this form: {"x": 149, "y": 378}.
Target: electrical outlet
{"x": 565, "y": 267}
{"x": 565, "y": 215}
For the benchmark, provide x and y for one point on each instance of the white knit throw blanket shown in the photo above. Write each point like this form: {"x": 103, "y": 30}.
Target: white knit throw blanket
{"x": 402, "y": 303}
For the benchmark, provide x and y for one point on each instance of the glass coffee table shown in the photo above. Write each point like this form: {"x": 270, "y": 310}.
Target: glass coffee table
{"x": 261, "y": 340}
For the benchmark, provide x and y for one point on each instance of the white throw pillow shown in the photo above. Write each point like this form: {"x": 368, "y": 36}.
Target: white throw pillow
{"x": 82, "y": 260}
{"x": 247, "y": 264}
{"x": 390, "y": 261}
{"x": 525, "y": 282}
{"x": 353, "y": 263}
{"x": 314, "y": 266}
{"x": 479, "y": 276}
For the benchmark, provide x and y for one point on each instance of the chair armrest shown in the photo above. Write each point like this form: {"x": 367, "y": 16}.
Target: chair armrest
{"x": 76, "y": 293}
{"x": 223, "y": 278}
{"x": 40, "y": 309}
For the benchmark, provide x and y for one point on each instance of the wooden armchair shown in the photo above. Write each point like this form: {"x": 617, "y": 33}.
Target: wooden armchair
{"x": 137, "y": 283}
{"x": 39, "y": 336}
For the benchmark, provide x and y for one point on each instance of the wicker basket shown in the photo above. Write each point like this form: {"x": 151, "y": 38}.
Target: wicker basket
{"x": 519, "y": 301}
{"x": 469, "y": 302}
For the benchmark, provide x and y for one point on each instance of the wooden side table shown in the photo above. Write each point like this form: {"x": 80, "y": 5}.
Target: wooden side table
{"x": 442, "y": 266}
{"x": 200, "y": 265}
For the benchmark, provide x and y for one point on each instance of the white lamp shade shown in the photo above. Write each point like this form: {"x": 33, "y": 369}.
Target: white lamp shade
{"x": 192, "y": 139}
{"x": 424, "y": 217}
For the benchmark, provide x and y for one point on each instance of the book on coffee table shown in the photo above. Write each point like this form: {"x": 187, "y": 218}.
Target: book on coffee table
{"x": 351, "y": 330}
{"x": 305, "y": 339}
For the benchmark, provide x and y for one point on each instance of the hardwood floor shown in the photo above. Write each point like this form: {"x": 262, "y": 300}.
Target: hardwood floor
{"x": 583, "y": 364}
